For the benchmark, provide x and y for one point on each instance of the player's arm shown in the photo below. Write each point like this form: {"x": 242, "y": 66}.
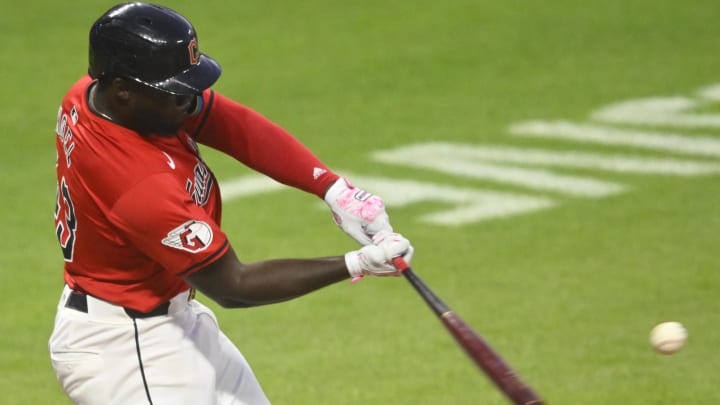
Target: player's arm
{"x": 264, "y": 146}
{"x": 231, "y": 283}
{"x": 258, "y": 143}
{"x": 185, "y": 240}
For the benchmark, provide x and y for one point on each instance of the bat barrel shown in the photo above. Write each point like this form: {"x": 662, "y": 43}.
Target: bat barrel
{"x": 474, "y": 346}
{"x": 487, "y": 359}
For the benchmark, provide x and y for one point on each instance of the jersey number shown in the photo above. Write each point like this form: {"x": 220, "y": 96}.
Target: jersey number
{"x": 65, "y": 221}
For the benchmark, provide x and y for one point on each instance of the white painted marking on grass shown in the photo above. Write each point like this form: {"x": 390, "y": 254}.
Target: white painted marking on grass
{"x": 248, "y": 186}
{"x": 500, "y": 163}
{"x": 668, "y": 111}
{"x": 472, "y": 166}
{"x": 438, "y": 153}
{"x": 711, "y": 92}
{"x": 670, "y": 142}
{"x": 468, "y": 205}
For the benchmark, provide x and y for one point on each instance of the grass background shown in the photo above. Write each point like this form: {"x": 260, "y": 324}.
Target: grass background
{"x": 567, "y": 295}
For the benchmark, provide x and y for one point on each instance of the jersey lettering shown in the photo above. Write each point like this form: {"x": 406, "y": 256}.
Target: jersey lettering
{"x": 63, "y": 131}
{"x": 65, "y": 221}
{"x": 74, "y": 115}
{"x": 199, "y": 188}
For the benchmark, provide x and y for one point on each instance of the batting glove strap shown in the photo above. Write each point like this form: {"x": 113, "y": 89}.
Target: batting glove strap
{"x": 357, "y": 212}
{"x": 376, "y": 259}
{"x": 353, "y": 264}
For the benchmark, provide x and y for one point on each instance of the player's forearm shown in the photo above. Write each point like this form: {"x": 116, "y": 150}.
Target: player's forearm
{"x": 234, "y": 284}
{"x": 280, "y": 280}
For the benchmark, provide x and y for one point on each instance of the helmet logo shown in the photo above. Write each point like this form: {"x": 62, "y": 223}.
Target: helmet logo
{"x": 194, "y": 52}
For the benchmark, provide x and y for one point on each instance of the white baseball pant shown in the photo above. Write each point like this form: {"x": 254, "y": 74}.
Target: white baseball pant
{"x": 105, "y": 357}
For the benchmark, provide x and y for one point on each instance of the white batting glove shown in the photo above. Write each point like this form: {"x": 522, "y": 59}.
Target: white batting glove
{"x": 376, "y": 259}
{"x": 359, "y": 213}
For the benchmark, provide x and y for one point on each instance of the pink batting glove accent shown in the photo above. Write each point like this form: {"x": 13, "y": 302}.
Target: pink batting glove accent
{"x": 360, "y": 203}
{"x": 359, "y": 213}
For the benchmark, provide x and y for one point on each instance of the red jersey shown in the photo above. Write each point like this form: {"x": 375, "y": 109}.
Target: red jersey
{"x": 135, "y": 214}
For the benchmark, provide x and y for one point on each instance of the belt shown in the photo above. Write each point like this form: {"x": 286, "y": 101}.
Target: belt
{"x": 79, "y": 302}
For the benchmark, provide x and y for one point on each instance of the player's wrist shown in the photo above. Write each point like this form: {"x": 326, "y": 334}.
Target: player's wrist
{"x": 353, "y": 263}
{"x": 334, "y": 190}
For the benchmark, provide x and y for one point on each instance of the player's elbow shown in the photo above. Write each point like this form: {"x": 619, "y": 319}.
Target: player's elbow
{"x": 223, "y": 281}
{"x": 226, "y": 294}
{"x": 232, "y": 303}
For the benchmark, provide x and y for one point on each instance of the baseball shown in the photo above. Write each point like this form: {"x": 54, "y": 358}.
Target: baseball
{"x": 668, "y": 337}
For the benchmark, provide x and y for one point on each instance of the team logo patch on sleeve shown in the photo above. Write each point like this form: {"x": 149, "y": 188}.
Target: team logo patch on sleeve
{"x": 192, "y": 236}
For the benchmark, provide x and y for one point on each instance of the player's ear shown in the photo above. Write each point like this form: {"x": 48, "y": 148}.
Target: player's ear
{"x": 121, "y": 88}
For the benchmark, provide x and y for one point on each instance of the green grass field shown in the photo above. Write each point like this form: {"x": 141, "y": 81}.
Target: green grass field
{"x": 567, "y": 294}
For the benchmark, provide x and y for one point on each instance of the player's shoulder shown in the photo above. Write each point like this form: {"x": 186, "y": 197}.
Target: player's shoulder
{"x": 125, "y": 155}
{"x": 100, "y": 140}
{"x": 112, "y": 166}
{"x": 103, "y": 156}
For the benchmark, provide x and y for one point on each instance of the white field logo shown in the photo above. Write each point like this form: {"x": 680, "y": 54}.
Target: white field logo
{"x": 540, "y": 171}
{"x": 192, "y": 236}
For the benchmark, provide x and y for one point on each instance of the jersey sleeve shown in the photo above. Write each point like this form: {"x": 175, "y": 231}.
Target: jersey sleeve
{"x": 259, "y": 143}
{"x": 163, "y": 222}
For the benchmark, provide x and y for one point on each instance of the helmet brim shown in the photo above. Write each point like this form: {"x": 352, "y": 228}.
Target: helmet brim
{"x": 193, "y": 80}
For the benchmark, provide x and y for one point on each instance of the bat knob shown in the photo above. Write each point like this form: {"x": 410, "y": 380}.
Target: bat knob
{"x": 400, "y": 263}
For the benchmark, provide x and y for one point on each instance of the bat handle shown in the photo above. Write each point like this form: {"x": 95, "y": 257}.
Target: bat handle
{"x": 400, "y": 263}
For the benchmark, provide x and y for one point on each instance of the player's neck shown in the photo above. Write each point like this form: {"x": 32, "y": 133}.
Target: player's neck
{"x": 96, "y": 105}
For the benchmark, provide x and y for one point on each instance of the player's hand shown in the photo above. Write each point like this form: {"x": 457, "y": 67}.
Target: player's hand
{"x": 376, "y": 259}
{"x": 359, "y": 213}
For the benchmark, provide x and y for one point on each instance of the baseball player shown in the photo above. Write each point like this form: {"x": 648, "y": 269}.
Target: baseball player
{"x": 138, "y": 221}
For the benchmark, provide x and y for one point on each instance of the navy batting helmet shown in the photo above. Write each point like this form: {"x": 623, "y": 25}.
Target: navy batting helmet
{"x": 153, "y": 45}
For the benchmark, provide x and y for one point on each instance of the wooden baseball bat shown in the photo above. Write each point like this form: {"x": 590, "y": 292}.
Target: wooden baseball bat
{"x": 499, "y": 372}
